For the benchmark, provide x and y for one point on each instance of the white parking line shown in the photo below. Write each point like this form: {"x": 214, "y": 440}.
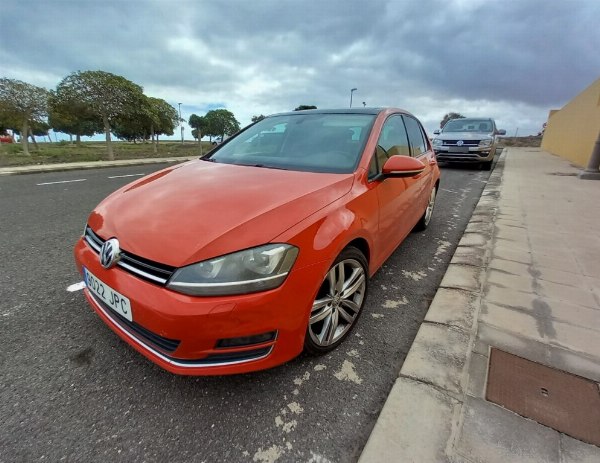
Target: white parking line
{"x": 62, "y": 181}
{"x": 128, "y": 175}
{"x": 76, "y": 287}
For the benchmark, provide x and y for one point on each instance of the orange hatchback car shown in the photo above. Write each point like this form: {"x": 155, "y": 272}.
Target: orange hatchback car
{"x": 264, "y": 247}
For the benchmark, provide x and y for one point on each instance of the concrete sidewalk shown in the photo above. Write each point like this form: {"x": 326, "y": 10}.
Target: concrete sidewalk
{"x": 525, "y": 279}
{"x": 34, "y": 168}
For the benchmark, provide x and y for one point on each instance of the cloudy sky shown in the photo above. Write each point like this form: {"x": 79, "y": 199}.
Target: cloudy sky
{"x": 512, "y": 60}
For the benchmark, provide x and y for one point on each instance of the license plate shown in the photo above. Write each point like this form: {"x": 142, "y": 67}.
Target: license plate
{"x": 115, "y": 300}
{"x": 458, "y": 149}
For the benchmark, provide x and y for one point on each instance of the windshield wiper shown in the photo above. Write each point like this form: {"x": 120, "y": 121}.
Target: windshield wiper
{"x": 264, "y": 166}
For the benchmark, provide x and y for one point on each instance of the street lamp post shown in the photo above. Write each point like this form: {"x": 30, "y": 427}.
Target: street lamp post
{"x": 180, "y": 122}
{"x": 352, "y": 90}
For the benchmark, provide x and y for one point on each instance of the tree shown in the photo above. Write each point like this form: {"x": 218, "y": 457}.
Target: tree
{"x": 199, "y": 125}
{"x": 22, "y": 104}
{"x": 257, "y": 118}
{"x": 72, "y": 117}
{"x": 221, "y": 122}
{"x": 450, "y": 116}
{"x": 148, "y": 119}
{"x": 107, "y": 96}
{"x": 136, "y": 122}
{"x": 164, "y": 121}
{"x": 302, "y": 107}
{"x": 39, "y": 129}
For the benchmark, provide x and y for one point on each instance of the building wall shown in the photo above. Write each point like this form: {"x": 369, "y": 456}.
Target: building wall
{"x": 572, "y": 131}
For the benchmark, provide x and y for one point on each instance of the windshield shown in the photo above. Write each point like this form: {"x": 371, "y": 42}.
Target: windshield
{"x": 468, "y": 125}
{"x": 306, "y": 142}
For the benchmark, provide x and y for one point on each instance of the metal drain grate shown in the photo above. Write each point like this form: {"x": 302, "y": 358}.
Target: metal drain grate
{"x": 565, "y": 402}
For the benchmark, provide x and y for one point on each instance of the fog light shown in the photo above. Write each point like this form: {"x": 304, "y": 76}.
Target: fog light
{"x": 247, "y": 340}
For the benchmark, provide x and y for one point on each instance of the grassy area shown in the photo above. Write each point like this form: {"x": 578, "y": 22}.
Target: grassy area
{"x": 530, "y": 142}
{"x": 51, "y": 153}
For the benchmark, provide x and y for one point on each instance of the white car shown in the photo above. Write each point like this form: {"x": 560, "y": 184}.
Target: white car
{"x": 472, "y": 140}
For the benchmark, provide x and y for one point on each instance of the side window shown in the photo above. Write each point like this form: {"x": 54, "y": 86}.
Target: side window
{"x": 392, "y": 141}
{"x": 393, "y": 137}
{"x": 418, "y": 144}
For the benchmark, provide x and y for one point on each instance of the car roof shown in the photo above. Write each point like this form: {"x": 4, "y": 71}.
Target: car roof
{"x": 472, "y": 119}
{"x": 335, "y": 111}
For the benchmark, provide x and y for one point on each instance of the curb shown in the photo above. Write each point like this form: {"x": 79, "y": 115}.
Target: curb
{"x": 33, "y": 169}
{"x": 421, "y": 417}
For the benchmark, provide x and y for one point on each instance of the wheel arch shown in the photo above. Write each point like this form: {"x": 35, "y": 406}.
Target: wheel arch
{"x": 363, "y": 246}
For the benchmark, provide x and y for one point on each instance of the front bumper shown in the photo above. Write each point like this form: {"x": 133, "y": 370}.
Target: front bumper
{"x": 466, "y": 154}
{"x": 183, "y": 334}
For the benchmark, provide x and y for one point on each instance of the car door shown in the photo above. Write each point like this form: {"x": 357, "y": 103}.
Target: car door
{"x": 393, "y": 194}
{"x": 421, "y": 150}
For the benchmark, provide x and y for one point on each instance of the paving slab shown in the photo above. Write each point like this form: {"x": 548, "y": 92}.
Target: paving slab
{"x": 475, "y": 239}
{"x": 575, "y": 451}
{"x": 502, "y": 251}
{"x": 438, "y": 357}
{"x": 453, "y": 307}
{"x": 559, "y": 310}
{"x": 513, "y": 282}
{"x": 579, "y": 296}
{"x": 462, "y": 277}
{"x": 470, "y": 255}
{"x": 491, "y": 434}
{"x": 520, "y": 322}
{"x": 415, "y": 425}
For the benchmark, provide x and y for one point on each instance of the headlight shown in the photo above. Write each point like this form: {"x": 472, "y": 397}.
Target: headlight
{"x": 437, "y": 142}
{"x": 486, "y": 142}
{"x": 249, "y": 271}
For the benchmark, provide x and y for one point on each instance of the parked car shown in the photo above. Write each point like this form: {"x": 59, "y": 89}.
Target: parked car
{"x": 6, "y": 138}
{"x": 472, "y": 140}
{"x": 262, "y": 248}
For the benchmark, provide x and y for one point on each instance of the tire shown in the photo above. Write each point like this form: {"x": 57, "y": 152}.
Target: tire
{"x": 423, "y": 222}
{"x": 336, "y": 310}
{"x": 486, "y": 165}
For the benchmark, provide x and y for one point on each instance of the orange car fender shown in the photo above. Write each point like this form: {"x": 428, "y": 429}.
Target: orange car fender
{"x": 323, "y": 240}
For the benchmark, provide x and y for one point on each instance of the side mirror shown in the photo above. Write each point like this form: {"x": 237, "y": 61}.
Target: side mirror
{"x": 501, "y": 132}
{"x": 402, "y": 166}
{"x": 436, "y": 132}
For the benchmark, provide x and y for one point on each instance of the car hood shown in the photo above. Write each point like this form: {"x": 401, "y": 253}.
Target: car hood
{"x": 464, "y": 135}
{"x": 197, "y": 210}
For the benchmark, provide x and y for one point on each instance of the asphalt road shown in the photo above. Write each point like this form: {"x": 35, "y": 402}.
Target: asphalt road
{"x": 71, "y": 390}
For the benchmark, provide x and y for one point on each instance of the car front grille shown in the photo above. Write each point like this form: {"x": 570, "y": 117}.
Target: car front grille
{"x": 465, "y": 142}
{"x": 138, "y": 266}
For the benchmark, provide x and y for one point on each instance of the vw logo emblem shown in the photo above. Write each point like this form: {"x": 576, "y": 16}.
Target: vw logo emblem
{"x": 460, "y": 143}
{"x": 110, "y": 253}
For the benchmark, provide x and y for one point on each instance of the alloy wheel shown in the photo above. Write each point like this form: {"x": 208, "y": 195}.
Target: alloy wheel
{"x": 338, "y": 302}
{"x": 430, "y": 205}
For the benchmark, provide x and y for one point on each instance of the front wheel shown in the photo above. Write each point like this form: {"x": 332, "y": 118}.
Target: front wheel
{"x": 338, "y": 303}
{"x": 423, "y": 222}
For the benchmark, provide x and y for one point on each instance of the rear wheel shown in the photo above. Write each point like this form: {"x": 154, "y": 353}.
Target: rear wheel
{"x": 339, "y": 302}
{"x": 423, "y": 222}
